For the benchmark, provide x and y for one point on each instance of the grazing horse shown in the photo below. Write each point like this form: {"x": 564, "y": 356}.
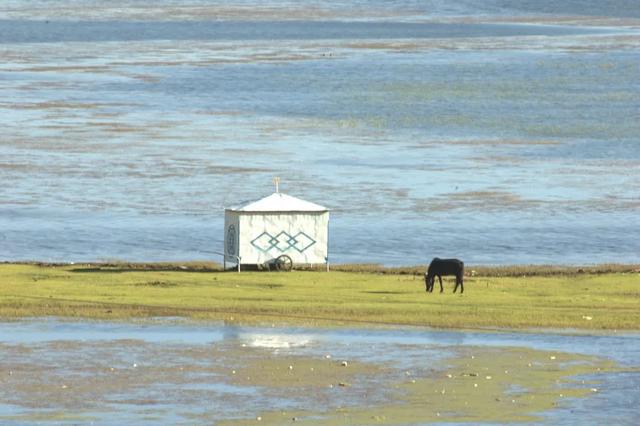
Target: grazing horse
{"x": 440, "y": 267}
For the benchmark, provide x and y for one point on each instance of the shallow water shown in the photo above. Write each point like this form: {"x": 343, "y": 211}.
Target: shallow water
{"x": 32, "y": 31}
{"x": 475, "y": 130}
{"x": 164, "y": 369}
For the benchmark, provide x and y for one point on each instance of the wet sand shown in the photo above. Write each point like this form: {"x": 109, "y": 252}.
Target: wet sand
{"x": 149, "y": 372}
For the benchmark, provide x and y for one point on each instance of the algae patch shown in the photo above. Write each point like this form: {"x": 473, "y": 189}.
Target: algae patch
{"x": 301, "y": 372}
{"x": 476, "y": 384}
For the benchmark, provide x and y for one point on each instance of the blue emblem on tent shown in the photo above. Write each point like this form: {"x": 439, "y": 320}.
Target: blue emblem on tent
{"x": 231, "y": 239}
{"x": 282, "y": 242}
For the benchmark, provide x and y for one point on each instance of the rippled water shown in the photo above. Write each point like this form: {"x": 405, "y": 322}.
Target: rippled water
{"x": 160, "y": 371}
{"x": 497, "y": 132}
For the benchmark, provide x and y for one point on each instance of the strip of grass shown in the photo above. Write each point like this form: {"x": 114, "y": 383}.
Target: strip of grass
{"x": 373, "y": 268}
{"x": 603, "y": 300}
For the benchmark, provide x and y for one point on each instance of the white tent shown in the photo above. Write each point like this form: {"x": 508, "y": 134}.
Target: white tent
{"x": 259, "y": 232}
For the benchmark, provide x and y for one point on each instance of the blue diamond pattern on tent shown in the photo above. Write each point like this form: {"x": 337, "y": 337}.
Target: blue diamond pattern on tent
{"x": 282, "y": 242}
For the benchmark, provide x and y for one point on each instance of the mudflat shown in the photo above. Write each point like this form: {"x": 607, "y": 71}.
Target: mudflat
{"x": 179, "y": 371}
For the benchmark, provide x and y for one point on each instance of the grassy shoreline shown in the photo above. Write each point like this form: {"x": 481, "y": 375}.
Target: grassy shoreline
{"x": 602, "y": 297}
{"x": 373, "y": 268}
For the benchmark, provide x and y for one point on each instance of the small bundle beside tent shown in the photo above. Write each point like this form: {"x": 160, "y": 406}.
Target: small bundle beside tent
{"x": 276, "y": 230}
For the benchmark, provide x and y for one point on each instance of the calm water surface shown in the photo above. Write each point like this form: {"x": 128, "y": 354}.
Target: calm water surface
{"x": 160, "y": 371}
{"x": 497, "y": 132}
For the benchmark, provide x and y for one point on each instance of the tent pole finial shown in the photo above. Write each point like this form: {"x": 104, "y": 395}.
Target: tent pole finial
{"x": 276, "y": 181}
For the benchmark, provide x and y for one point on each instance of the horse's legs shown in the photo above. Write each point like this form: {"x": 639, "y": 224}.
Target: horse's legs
{"x": 459, "y": 283}
{"x": 440, "y": 279}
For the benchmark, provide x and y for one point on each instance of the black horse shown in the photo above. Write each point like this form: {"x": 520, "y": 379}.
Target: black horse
{"x": 440, "y": 267}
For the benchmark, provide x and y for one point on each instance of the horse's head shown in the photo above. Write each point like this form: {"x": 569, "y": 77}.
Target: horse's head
{"x": 428, "y": 281}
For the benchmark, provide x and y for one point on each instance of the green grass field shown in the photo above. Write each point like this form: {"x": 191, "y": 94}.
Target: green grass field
{"x": 606, "y": 298}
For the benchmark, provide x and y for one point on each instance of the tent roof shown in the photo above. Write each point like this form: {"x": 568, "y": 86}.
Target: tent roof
{"x": 279, "y": 202}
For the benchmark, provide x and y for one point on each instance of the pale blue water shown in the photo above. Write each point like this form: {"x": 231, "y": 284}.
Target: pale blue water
{"x": 167, "y": 368}
{"x": 497, "y": 132}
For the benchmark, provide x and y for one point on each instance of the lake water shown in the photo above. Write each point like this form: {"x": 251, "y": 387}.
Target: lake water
{"x": 497, "y": 132}
{"x": 158, "y": 372}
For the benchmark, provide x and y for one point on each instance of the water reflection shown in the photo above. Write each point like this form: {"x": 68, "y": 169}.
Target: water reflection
{"x": 126, "y": 371}
{"x": 623, "y": 347}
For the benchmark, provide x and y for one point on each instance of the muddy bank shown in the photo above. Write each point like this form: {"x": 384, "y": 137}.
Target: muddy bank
{"x": 161, "y": 371}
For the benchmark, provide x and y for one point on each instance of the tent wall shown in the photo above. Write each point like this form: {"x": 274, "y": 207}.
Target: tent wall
{"x": 301, "y": 235}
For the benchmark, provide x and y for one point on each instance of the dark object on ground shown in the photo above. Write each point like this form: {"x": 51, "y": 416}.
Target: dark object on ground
{"x": 440, "y": 267}
{"x": 283, "y": 263}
